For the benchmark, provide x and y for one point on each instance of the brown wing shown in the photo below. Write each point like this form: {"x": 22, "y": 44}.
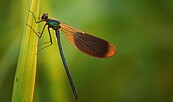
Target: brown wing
{"x": 88, "y": 44}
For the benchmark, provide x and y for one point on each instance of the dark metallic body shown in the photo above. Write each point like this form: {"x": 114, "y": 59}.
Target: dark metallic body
{"x": 55, "y": 25}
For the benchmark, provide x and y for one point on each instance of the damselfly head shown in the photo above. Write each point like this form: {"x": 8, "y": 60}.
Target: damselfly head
{"x": 44, "y": 17}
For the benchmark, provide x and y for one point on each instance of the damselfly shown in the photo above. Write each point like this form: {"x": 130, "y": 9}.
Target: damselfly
{"x": 88, "y": 44}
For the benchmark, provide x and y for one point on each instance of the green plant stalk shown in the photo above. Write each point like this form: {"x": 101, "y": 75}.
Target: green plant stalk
{"x": 24, "y": 82}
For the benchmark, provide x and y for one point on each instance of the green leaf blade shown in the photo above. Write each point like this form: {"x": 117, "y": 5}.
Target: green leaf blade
{"x": 24, "y": 83}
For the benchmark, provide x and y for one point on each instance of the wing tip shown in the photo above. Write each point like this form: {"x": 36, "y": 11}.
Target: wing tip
{"x": 111, "y": 51}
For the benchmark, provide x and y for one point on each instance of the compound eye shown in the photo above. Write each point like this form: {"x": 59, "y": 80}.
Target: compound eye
{"x": 44, "y": 16}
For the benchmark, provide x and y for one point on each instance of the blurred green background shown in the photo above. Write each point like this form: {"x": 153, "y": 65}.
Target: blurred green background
{"x": 141, "y": 70}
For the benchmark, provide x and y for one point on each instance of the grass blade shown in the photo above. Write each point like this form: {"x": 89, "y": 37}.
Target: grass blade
{"x": 24, "y": 82}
